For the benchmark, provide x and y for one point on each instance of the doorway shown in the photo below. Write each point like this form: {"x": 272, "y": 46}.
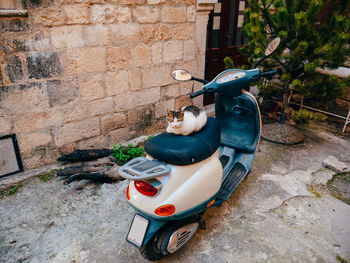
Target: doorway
{"x": 224, "y": 37}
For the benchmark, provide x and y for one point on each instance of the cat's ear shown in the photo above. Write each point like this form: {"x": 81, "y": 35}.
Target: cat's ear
{"x": 182, "y": 110}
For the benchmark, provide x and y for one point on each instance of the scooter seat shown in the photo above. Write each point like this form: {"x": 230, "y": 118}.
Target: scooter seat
{"x": 184, "y": 150}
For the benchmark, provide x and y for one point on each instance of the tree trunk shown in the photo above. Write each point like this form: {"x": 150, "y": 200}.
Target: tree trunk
{"x": 284, "y": 102}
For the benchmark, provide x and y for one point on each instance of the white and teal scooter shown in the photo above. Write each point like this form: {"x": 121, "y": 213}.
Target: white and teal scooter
{"x": 183, "y": 176}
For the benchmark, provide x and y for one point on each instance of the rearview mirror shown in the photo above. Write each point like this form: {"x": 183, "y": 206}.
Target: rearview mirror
{"x": 181, "y": 75}
{"x": 273, "y": 45}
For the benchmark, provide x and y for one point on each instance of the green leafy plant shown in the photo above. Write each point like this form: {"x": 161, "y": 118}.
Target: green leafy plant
{"x": 304, "y": 115}
{"x": 267, "y": 90}
{"x": 45, "y": 177}
{"x": 230, "y": 64}
{"x": 123, "y": 153}
{"x": 11, "y": 191}
{"x": 321, "y": 88}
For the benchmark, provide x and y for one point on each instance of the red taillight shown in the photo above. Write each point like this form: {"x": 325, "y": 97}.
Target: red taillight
{"x": 128, "y": 193}
{"x": 145, "y": 188}
{"x": 165, "y": 210}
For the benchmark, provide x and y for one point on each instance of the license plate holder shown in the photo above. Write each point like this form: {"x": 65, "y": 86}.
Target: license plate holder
{"x": 137, "y": 230}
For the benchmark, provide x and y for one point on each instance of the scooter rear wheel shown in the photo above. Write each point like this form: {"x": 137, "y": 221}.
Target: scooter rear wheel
{"x": 169, "y": 239}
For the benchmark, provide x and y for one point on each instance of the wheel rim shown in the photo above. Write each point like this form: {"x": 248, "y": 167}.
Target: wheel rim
{"x": 181, "y": 236}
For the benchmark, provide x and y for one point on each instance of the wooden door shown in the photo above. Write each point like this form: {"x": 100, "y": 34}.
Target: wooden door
{"x": 224, "y": 37}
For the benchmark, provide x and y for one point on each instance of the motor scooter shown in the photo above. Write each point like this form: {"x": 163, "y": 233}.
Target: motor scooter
{"x": 183, "y": 176}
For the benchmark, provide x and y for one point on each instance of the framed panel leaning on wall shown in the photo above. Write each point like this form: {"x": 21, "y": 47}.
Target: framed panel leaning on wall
{"x": 10, "y": 158}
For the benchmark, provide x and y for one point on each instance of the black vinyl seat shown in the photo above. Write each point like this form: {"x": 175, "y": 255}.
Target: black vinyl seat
{"x": 185, "y": 150}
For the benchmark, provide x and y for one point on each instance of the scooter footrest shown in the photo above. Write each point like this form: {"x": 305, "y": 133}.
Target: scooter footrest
{"x": 141, "y": 168}
{"x": 231, "y": 181}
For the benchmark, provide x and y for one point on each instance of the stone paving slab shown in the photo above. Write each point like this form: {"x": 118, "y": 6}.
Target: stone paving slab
{"x": 334, "y": 164}
{"x": 272, "y": 216}
{"x": 8, "y": 181}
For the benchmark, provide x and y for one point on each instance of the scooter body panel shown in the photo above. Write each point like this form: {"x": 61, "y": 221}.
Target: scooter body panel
{"x": 240, "y": 121}
{"x": 157, "y": 222}
{"x": 186, "y": 187}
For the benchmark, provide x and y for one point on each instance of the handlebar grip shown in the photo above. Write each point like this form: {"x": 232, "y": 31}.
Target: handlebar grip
{"x": 197, "y": 93}
{"x": 269, "y": 73}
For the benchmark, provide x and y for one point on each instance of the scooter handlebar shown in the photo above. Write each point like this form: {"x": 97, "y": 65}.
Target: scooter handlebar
{"x": 268, "y": 73}
{"x": 232, "y": 86}
{"x": 197, "y": 93}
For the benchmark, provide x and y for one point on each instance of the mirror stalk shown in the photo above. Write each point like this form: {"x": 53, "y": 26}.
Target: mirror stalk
{"x": 184, "y": 75}
{"x": 200, "y": 80}
{"x": 258, "y": 62}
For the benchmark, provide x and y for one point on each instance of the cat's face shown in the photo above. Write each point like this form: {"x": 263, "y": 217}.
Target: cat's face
{"x": 175, "y": 118}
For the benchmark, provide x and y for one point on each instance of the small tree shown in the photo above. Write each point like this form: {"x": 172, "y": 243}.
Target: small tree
{"x": 305, "y": 44}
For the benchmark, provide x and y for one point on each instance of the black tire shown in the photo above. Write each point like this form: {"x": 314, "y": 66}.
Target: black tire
{"x": 154, "y": 249}
{"x": 157, "y": 247}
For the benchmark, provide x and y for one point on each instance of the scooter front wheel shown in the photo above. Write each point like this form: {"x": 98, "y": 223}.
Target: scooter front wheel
{"x": 169, "y": 239}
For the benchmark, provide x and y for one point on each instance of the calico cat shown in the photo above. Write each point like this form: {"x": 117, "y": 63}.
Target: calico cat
{"x": 187, "y": 120}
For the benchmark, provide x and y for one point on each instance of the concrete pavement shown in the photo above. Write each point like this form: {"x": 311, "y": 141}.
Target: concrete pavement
{"x": 282, "y": 212}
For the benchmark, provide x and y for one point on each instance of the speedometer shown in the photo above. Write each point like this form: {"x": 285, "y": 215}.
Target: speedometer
{"x": 229, "y": 76}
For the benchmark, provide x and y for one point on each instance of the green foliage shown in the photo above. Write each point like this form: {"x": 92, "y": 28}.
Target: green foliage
{"x": 304, "y": 115}
{"x": 305, "y": 45}
{"x": 319, "y": 116}
{"x": 297, "y": 84}
{"x": 11, "y": 191}
{"x": 45, "y": 177}
{"x": 230, "y": 64}
{"x": 344, "y": 175}
{"x": 267, "y": 90}
{"x": 14, "y": 189}
{"x": 322, "y": 87}
{"x": 341, "y": 260}
{"x": 123, "y": 154}
{"x": 336, "y": 180}
{"x": 285, "y": 77}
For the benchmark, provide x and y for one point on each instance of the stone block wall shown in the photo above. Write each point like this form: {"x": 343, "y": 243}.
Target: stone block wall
{"x": 76, "y": 74}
